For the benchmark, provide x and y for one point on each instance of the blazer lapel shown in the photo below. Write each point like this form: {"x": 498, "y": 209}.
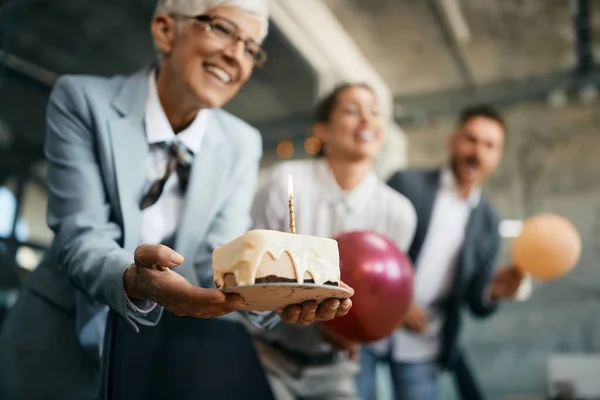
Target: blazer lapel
{"x": 466, "y": 261}
{"x": 208, "y": 176}
{"x": 424, "y": 207}
{"x": 130, "y": 152}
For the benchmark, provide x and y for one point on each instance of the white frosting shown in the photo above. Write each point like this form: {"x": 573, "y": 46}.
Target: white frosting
{"x": 242, "y": 256}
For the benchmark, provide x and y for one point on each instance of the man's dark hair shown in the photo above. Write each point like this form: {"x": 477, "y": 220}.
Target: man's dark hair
{"x": 481, "y": 110}
{"x": 326, "y": 105}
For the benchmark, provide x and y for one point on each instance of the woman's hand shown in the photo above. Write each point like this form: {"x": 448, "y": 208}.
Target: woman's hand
{"x": 151, "y": 278}
{"x": 309, "y": 311}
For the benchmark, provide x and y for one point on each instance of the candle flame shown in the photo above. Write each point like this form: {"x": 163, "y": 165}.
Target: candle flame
{"x": 290, "y": 186}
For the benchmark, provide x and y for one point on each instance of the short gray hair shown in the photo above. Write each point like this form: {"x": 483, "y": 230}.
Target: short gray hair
{"x": 257, "y": 8}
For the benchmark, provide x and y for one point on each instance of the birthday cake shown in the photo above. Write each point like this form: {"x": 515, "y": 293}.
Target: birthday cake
{"x": 265, "y": 256}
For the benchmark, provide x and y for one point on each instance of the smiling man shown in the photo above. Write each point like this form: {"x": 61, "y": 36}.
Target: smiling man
{"x": 146, "y": 176}
{"x": 455, "y": 253}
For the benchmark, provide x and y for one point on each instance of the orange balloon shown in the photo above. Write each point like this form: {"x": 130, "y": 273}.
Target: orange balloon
{"x": 547, "y": 248}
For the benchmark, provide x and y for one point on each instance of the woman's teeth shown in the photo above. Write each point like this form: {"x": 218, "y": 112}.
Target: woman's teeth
{"x": 366, "y": 136}
{"x": 219, "y": 73}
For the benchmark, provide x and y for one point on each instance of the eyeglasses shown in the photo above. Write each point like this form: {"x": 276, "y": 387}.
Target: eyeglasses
{"x": 228, "y": 32}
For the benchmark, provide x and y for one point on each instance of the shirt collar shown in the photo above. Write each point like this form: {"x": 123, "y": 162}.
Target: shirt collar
{"x": 356, "y": 198}
{"x": 158, "y": 127}
{"x": 448, "y": 182}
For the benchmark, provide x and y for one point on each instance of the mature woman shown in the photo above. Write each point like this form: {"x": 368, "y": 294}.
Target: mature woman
{"x": 335, "y": 193}
{"x": 146, "y": 173}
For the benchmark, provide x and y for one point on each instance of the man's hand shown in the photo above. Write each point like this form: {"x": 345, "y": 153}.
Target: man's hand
{"x": 416, "y": 319}
{"x": 151, "y": 278}
{"x": 309, "y": 312}
{"x": 506, "y": 283}
{"x": 339, "y": 343}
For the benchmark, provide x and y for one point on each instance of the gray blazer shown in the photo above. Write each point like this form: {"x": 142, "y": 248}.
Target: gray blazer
{"x": 96, "y": 150}
{"x": 478, "y": 257}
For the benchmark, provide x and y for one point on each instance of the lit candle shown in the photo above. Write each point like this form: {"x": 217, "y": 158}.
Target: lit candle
{"x": 291, "y": 205}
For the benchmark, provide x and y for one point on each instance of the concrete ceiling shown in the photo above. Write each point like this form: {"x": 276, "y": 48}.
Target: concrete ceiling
{"x": 407, "y": 41}
{"x": 510, "y": 40}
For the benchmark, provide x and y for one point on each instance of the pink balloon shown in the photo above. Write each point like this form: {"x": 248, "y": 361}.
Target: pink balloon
{"x": 382, "y": 277}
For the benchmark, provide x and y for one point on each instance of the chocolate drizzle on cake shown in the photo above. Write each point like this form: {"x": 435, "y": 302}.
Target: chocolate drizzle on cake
{"x": 276, "y": 279}
{"x": 229, "y": 281}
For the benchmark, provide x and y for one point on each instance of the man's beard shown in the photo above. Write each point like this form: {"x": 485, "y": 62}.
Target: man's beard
{"x": 458, "y": 163}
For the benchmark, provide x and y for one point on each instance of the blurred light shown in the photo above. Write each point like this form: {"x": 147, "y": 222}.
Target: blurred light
{"x": 510, "y": 228}
{"x": 588, "y": 94}
{"x": 28, "y": 258}
{"x": 377, "y": 242}
{"x": 557, "y": 99}
{"x": 285, "y": 149}
{"x": 312, "y": 145}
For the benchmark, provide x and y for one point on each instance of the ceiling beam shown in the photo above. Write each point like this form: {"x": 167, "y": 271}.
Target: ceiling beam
{"x": 28, "y": 69}
{"x": 417, "y": 109}
{"x": 583, "y": 33}
{"x": 446, "y": 13}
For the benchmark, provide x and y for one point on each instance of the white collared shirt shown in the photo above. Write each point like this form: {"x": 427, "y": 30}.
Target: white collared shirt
{"x": 435, "y": 269}
{"x": 437, "y": 260}
{"x": 323, "y": 209}
{"x": 161, "y": 219}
